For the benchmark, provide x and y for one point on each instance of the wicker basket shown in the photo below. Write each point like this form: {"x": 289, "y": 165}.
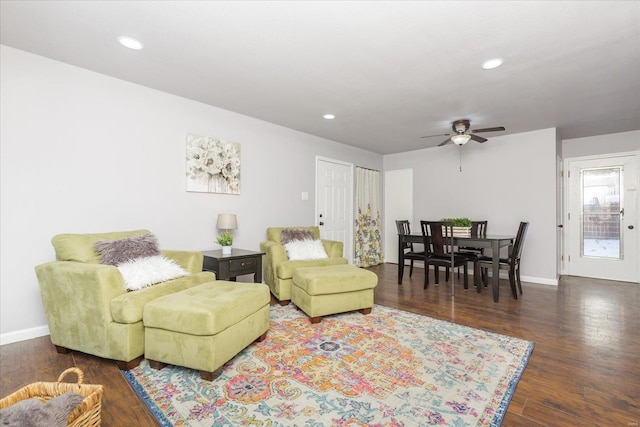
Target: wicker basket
{"x": 86, "y": 414}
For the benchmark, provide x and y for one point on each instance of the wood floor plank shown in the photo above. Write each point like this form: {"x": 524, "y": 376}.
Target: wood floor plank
{"x": 517, "y": 404}
{"x": 512, "y": 419}
{"x": 622, "y": 400}
{"x": 583, "y": 371}
{"x": 621, "y": 408}
{"x": 26, "y": 362}
{"x": 550, "y": 416}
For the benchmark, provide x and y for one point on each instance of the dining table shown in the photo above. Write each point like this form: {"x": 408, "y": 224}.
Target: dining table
{"x": 491, "y": 241}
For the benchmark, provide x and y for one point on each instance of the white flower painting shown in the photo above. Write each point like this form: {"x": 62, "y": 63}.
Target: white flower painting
{"x": 213, "y": 165}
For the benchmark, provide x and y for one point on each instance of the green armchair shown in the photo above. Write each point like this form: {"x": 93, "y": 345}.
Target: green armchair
{"x": 278, "y": 269}
{"x": 87, "y": 306}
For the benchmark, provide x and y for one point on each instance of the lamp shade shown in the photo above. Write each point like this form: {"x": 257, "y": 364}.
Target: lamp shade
{"x": 227, "y": 222}
{"x": 460, "y": 139}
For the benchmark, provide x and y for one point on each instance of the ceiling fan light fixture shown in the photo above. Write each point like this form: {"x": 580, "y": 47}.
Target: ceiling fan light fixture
{"x": 490, "y": 64}
{"x": 460, "y": 139}
{"x": 130, "y": 42}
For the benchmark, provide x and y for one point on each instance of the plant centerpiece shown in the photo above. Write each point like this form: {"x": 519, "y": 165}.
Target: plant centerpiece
{"x": 225, "y": 240}
{"x": 461, "y": 226}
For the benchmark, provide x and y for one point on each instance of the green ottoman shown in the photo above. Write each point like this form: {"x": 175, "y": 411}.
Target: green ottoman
{"x": 206, "y": 326}
{"x": 319, "y": 291}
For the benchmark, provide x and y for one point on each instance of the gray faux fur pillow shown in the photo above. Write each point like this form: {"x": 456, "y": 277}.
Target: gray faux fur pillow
{"x": 114, "y": 252}
{"x": 34, "y": 413}
{"x": 290, "y": 234}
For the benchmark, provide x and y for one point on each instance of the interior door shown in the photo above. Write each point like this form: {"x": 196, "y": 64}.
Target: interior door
{"x": 334, "y": 204}
{"x": 603, "y": 218}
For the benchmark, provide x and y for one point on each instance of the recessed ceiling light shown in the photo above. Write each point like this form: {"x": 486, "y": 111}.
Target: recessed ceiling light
{"x": 129, "y": 42}
{"x": 329, "y": 116}
{"x": 490, "y": 64}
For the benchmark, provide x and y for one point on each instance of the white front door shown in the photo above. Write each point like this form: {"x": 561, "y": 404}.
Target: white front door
{"x": 334, "y": 203}
{"x": 602, "y": 218}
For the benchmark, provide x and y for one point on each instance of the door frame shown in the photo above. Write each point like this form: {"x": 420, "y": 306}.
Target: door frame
{"x": 561, "y": 194}
{"x": 349, "y": 243}
{"x": 635, "y": 155}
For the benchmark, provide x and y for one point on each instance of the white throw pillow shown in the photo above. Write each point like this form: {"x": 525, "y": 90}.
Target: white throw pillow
{"x": 305, "y": 249}
{"x": 140, "y": 273}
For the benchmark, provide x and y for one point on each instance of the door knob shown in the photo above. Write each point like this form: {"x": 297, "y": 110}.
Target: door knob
{"x": 321, "y": 223}
{"x": 630, "y": 227}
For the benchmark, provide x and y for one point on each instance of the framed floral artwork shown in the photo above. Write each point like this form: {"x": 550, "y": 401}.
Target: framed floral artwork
{"x": 213, "y": 165}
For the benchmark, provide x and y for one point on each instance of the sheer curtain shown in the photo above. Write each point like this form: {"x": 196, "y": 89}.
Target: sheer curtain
{"x": 368, "y": 235}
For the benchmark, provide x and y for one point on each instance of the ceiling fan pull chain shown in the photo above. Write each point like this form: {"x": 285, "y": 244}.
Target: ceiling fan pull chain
{"x": 460, "y": 146}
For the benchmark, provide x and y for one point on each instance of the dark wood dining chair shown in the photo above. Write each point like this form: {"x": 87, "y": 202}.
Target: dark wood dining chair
{"x": 478, "y": 228}
{"x": 438, "y": 235}
{"x": 404, "y": 227}
{"x": 512, "y": 263}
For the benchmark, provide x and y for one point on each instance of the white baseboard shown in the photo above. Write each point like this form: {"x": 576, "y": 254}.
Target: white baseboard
{"x": 539, "y": 280}
{"x": 24, "y": 334}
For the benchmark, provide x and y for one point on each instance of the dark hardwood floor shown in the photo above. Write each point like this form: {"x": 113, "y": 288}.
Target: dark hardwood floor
{"x": 584, "y": 370}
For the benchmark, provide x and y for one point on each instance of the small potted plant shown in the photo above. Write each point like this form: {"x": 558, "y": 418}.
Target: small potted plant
{"x": 461, "y": 226}
{"x": 225, "y": 240}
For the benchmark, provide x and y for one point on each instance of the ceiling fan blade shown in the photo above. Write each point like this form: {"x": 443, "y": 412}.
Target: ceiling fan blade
{"x": 440, "y": 134}
{"x": 445, "y": 142}
{"x": 495, "y": 129}
{"x": 478, "y": 138}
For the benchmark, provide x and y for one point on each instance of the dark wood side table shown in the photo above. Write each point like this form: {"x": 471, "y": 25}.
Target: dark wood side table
{"x": 228, "y": 267}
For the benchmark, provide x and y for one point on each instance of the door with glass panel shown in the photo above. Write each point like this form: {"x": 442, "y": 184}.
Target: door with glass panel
{"x": 602, "y": 218}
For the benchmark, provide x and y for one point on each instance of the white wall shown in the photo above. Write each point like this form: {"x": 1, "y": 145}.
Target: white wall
{"x": 602, "y": 144}
{"x": 83, "y": 152}
{"x": 505, "y": 180}
{"x": 398, "y": 205}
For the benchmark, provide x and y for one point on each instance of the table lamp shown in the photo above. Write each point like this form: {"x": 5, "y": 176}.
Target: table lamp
{"x": 226, "y": 222}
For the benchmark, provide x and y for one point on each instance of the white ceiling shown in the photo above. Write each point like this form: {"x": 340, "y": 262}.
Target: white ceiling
{"x": 390, "y": 71}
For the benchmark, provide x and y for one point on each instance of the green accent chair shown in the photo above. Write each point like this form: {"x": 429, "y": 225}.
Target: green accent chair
{"x": 87, "y": 306}
{"x": 278, "y": 269}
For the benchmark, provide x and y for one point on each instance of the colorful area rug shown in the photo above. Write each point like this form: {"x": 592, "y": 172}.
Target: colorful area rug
{"x": 388, "y": 368}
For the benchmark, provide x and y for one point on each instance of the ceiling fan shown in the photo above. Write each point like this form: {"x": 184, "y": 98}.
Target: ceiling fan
{"x": 462, "y": 133}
